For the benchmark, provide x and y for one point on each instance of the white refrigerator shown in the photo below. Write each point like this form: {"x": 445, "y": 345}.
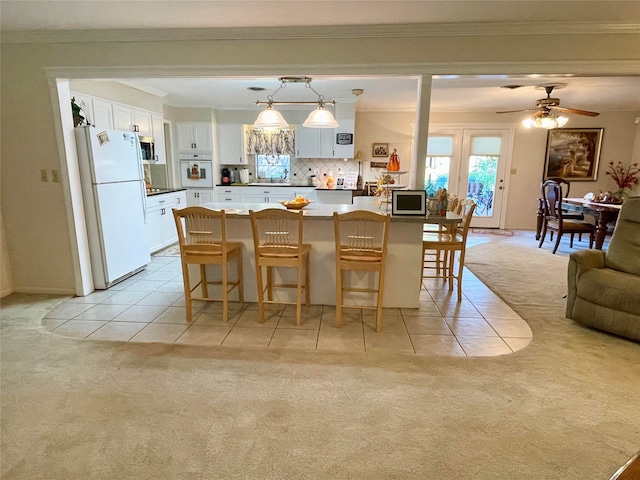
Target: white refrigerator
{"x": 114, "y": 194}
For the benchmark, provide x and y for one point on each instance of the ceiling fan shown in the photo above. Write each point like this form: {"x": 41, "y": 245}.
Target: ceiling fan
{"x": 545, "y": 111}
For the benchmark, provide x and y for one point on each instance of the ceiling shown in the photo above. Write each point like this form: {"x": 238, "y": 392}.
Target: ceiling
{"x": 451, "y": 93}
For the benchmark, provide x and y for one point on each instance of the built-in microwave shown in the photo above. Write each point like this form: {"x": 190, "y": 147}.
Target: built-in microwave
{"x": 147, "y": 149}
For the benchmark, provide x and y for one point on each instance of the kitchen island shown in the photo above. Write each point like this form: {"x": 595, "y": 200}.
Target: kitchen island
{"x": 404, "y": 256}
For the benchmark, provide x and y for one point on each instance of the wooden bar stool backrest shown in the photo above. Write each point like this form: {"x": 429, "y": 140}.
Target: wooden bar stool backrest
{"x": 361, "y": 244}
{"x": 202, "y": 238}
{"x": 277, "y": 242}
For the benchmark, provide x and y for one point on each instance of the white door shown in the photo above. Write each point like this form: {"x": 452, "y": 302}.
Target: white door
{"x": 482, "y": 174}
{"x": 471, "y": 163}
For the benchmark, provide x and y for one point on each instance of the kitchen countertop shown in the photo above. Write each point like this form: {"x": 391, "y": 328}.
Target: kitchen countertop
{"x": 264, "y": 184}
{"x": 160, "y": 191}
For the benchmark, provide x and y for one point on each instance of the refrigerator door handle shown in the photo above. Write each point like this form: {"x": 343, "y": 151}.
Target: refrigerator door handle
{"x": 143, "y": 184}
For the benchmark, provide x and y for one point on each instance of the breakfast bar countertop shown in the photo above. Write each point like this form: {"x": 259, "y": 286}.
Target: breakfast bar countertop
{"x": 159, "y": 191}
{"x": 318, "y": 211}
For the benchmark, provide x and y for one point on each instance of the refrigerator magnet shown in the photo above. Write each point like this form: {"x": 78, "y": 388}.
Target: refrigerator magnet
{"x": 103, "y": 138}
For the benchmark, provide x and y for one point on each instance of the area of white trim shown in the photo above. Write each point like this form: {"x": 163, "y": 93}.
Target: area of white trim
{"x": 144, "y": 88}
{"x": 321, "y": 32}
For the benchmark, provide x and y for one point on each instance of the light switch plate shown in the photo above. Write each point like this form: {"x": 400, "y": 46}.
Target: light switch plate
{"x": 55, "y": 177}
{"x": 43, "y": 175}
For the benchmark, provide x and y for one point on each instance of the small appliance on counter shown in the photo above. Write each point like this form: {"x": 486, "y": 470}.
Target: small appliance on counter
{"x": 225, "y": 178}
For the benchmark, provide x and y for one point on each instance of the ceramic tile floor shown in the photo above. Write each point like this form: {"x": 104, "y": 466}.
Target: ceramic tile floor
{"x": 149, "y": 307}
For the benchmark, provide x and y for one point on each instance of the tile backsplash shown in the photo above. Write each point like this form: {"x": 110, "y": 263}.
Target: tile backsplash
{"x": 303, "y": 168}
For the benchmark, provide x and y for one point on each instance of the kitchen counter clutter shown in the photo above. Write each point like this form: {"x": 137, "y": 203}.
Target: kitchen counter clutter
{"x": 161, "y": 191}
{"x": 403, "y": 261}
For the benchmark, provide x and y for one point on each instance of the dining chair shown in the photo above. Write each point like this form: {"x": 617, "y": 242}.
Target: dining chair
{"x": 440, "y": 256}
{"x": 203, "y": 241}
{"x": 554, "y": 218}
{"x": 435, "y": 243}
{"x": 277, "y": 242}
{"x": 361, "y": 245}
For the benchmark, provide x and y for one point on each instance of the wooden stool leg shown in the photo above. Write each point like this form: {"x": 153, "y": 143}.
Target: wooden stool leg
{"x": 306, "y": 282}
{"x": 203, "y": 281}
{"x": 460, "y": 270}
{"x": 269, "y": 282}
{"x": 225, "y": 292}
{"x": 299, "y": 292}
{"x": 338, "y": 298}
{"x": 450, "y": 274}
{"x": 240, "y": 278}
{"x": 260, "y": 293}
{"x": 379, "y": 304}
{"x": 187, "y": 290}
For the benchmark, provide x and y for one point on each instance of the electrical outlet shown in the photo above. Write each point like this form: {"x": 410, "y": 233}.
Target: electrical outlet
{"x": 43, "y": 175}
{"x": 55, "y": 176}
{"x": 513, "y": 171}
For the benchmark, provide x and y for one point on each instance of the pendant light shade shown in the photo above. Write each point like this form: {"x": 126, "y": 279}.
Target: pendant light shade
{"x": 321, "y": 118}
{"x": 270, "y": 118}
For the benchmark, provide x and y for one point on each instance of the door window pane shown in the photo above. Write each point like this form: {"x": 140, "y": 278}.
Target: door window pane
{"x": 438, "y": 165}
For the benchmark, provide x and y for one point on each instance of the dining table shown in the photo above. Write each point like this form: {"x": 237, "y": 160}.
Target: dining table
{"x": 603, "y": 213}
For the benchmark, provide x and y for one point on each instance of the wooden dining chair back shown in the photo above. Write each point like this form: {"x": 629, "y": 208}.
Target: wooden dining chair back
{"x": 565, "y": 187}
{"x": 554, "y": 218}
{"x": 277, "y": 241}
{"x": 361, "y": 245}
{"x": 203, "y": 241}
{"x": 445, "y": 245}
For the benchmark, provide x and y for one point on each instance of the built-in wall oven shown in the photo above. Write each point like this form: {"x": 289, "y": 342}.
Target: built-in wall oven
{"x": 195, "y": 170}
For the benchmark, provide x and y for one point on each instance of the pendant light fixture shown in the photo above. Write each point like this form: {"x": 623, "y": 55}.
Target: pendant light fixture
{"x": 319, "y": 118}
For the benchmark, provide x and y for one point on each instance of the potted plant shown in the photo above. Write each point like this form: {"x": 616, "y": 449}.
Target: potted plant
{"x": 78, "y": 118}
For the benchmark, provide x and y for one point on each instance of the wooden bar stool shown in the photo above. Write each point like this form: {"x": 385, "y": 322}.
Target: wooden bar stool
{"x": 277, "y": 240}
{"x": 203, "y": 241}
{"x": 361, "y": 245}
{"x": 437, "y": 243}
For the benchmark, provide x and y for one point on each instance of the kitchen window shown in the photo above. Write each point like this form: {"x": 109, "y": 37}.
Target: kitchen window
{"x": 273, "y": 167}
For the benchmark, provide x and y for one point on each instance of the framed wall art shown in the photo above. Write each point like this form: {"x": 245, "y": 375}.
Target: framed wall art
{"x": 573, "y": 153}
{"x": 380, "y": 150}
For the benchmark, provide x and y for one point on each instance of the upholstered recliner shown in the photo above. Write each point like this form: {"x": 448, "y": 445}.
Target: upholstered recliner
{"x": 604, "y": 287}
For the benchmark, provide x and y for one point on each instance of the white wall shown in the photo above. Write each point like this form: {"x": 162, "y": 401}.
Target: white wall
{"x": 34, "y": 212}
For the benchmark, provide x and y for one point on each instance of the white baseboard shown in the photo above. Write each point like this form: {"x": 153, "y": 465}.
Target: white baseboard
{"x": 45, "y": 291}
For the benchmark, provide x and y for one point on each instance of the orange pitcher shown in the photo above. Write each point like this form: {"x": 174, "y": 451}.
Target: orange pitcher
{"x": 394, "y": 163}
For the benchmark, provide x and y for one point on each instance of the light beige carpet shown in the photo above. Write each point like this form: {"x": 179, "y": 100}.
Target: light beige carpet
{"x": 566, "y": 407}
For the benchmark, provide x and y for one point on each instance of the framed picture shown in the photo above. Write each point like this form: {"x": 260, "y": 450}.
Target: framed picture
{"x": 573, "y": 153}
{"x": 378, "y": 165}
{"x": 380, "y": 150}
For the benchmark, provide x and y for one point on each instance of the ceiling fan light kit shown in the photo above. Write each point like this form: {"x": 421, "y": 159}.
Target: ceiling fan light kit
{"x": 545, "y": 116}
{"x": 319, "y": 118}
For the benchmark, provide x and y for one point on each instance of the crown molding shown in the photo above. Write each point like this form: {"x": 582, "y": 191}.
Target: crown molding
{"x": 550, "y": 67}
{"x": 321, "y": 32}
{"x": 143, "y": 87}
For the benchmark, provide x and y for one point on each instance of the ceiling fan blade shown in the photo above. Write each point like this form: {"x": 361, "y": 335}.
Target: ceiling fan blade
{"x": 525, "y": 110}
{"x": 575, "y": 110}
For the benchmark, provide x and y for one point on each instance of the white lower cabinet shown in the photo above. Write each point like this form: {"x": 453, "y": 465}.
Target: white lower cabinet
{"x": 198, "y": 197}
{"x": 161, "y": 228}
{"x": 228, "y": 194}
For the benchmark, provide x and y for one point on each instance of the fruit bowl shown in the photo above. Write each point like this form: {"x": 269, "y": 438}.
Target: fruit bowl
{"x": 294, "y": 205}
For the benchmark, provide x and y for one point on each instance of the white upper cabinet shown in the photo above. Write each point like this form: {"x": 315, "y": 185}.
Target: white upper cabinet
{"x": 142, "y": 122}
{"x": 343, "y": 138}
{"x": 122, "y": 117}
{"x": 157, "y": 123}
{"x": 231, "y": 144}
{"x": 194, "y": 137}
{"x": 102, "y": 114}
{"x": 86, "y": 107}
{"x": 314, "y": 142}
